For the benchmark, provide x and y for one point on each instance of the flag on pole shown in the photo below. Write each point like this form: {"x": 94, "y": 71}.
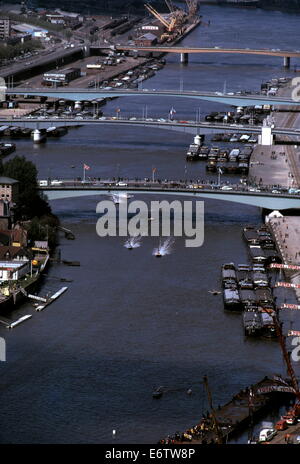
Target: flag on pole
{"x": 86, "y": 167}
{"x": 154, "y": 170}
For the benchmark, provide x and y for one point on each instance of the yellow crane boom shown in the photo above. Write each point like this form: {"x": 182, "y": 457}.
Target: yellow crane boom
{"x": 157, "y": 16}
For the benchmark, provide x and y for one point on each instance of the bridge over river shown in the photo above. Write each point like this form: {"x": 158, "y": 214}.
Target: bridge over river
{"x": 263, "y": 198}
{"x": 238, "y": 99}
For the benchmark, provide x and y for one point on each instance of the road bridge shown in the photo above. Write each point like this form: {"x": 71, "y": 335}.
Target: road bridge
{"x": 192, "y": 127}
{"x": 236, "y": 194}
{"x": 185, "y": 51}
{"x": 238, "y": 99}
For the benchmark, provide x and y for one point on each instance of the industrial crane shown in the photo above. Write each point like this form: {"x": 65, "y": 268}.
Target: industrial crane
{"x": 285, "y": 353}
{"x": 170, "y": 26}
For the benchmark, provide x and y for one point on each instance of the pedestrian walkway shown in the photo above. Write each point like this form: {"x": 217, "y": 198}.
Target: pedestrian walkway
{"x": 287, "y": 233}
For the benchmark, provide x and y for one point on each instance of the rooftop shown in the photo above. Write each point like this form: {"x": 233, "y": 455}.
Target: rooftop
{"x": 7, "y": 180}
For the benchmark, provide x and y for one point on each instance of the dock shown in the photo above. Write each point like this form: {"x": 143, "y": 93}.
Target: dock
{"x": 233, "y": 417}
{"x": 269, "y": 165}
{"x": 50, "y": 300}
{"x": 286, "y": 233}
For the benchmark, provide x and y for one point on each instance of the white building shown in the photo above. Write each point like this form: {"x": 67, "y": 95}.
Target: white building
{"x": 35, "y": 31}
{"x": 13, "y": 270}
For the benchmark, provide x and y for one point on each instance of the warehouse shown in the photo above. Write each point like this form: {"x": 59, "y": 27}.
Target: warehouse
{"x": 61, "y": 77}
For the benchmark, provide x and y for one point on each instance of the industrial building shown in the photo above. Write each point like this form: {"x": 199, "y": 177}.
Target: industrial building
{"x": 4, "y": 28}
{"x": 146, "y": 40}
{"x": 34, "y": 31}
{"x": 61, "y": 77}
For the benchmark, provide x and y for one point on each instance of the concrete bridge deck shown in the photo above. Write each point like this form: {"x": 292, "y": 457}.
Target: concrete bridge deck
{"x": 92, "y": 94}
{"x": 237, "y": 194}
{"x": 181, "y": 126}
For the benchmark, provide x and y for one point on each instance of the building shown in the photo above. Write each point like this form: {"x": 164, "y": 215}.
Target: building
{"x": 61, "y": 77}
{"x": 146, "y": 40}
{"x": 34, "y": 31}
{"x": 13, "y": 270}
{"x": 9, "y": 189}
{"x": 15, "y": 253}
{"x": 55, "y": 18}
{"x": 16, "y": 237}
{"x": 5, "y": 215}
{"x": 4, "y": 28}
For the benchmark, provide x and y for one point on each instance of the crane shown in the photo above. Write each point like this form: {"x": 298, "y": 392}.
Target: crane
{"x": 285, "y": 353}
{"x": 170, "y": 5}
{"x": 168, "y": 25}
{"x": 215, "y": 421}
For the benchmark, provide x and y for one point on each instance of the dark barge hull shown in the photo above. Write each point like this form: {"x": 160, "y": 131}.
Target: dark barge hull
{"x": 237, "y": 409}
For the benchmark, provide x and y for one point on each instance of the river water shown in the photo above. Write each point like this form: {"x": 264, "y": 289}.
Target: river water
{"x": 87, "y": 365}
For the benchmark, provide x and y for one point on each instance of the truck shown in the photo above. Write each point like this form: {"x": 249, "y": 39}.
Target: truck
{"x": 267, "y": 434}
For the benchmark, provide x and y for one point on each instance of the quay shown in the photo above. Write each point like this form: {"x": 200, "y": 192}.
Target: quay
{"x": 233, "y": 417}
{"x": 271, "y": 165}
{"x": 286, "y": 232}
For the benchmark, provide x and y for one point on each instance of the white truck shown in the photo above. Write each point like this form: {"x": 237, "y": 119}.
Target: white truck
{"x": 266, "y": 434}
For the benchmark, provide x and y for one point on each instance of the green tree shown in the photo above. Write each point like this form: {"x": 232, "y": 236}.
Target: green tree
{"x": 30, "y": 203}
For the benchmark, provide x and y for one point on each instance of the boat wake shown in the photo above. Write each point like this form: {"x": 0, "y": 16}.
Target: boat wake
{"x": 164, "y": 248}
{"x": 133, "y": 242}
{"x": 120, "y": 197}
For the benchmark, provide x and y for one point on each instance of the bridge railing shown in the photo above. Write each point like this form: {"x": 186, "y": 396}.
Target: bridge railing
{"x": 180, "y": 185}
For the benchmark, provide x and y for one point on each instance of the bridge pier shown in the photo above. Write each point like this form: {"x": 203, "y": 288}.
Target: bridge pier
{"x": 287, "y": 61}
{"x": 184, "y": 58}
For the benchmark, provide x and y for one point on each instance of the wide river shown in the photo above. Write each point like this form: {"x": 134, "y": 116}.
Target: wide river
{"x": 129, "y": 322}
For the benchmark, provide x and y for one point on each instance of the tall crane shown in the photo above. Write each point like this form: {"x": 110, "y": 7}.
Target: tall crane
{"x": 170, "y": 5}
{"x": 170, "y": 26}
{"x": 213, "y": 415}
